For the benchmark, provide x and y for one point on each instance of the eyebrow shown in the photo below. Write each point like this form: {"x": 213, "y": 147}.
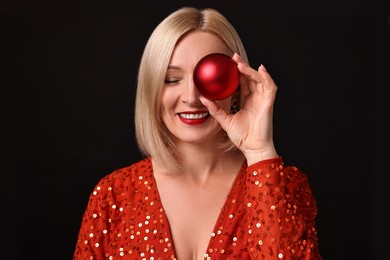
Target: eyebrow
{"x": 173, "y": 67}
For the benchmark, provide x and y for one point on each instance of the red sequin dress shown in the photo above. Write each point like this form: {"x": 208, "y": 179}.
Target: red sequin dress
{"x": 269, "y": 214}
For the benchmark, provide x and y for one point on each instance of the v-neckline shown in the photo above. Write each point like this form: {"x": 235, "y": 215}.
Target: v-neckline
{"x": 215, "y": 228}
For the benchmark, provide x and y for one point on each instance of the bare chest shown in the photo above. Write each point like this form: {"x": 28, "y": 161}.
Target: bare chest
{"x": 192, "y": 213}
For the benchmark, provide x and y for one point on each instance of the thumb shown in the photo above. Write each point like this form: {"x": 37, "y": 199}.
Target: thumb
{"x": 217, "y": 112}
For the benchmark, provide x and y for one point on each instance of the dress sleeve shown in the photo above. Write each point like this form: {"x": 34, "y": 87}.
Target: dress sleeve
{"x": 92, "y": 237}
{"x": 281, "y": 212}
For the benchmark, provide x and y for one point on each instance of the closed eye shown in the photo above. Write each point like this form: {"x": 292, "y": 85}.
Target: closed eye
{"x": 172, "y": 81}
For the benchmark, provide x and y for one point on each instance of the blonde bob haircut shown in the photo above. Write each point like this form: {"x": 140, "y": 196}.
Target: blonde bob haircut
{"x": 152, "y": 136}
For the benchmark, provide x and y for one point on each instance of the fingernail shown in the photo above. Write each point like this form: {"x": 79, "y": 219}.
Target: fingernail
{"x": 262, "y": 67}
{"x": 238, "y": 55}
{"x": 240, "y": 64}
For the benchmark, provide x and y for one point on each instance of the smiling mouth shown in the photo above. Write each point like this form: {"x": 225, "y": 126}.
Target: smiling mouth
{"x": 194, "y": 116}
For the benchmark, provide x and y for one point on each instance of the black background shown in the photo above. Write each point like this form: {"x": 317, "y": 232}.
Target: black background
{"x": 68, "y": 97}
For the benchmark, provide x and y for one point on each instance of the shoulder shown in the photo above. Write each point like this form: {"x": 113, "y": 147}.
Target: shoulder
{"x": 121, "y": 174}
{"x": 125, "y": 180}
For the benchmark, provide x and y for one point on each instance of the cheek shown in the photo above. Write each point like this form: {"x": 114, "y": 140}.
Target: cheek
{"x": 168, "y": 100}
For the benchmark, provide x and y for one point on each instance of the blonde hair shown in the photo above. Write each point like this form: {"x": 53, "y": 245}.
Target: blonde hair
{"x": 152, "y": 136}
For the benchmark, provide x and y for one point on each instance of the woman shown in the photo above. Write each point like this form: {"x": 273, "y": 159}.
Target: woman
{"x": 211, "y": 185}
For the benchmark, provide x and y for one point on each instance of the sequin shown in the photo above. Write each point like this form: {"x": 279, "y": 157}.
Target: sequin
{"x": 269, "y": 214}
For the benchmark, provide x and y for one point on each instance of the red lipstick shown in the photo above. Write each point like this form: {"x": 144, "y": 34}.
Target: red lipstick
{"x": 193, "y": 117}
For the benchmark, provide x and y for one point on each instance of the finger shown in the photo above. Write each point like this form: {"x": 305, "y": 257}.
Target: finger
{"x": 249, "y": 72}
{"x": 243, "y": 81}
{"x": 266, "y": 77}
{"x": 217, "y": 112}
{"x": 250, "y": 77}
{"x": 253, "y": 81}
{"x": 269, "y": 86}
{"x": 237, "y": 58}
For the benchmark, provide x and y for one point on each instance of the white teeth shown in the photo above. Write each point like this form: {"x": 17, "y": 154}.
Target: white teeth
{"x": 194, "y": 116}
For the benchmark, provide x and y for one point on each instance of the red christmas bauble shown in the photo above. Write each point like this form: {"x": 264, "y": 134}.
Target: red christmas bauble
{"x": 216, "y": 76}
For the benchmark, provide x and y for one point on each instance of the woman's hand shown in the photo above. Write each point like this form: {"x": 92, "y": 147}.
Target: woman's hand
{"x": 251, "y": 129}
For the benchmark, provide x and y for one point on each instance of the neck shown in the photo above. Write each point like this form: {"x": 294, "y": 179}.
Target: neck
{"x": 200, "y": 163}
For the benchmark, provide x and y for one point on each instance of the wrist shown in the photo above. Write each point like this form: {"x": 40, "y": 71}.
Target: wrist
{"x": 253, "y": 156}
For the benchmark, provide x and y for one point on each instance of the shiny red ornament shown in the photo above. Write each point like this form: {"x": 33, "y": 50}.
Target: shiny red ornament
{"x": 216, "y": 76}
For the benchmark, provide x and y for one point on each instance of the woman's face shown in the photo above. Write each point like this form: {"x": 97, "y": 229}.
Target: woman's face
{"x": 182, "y": 112}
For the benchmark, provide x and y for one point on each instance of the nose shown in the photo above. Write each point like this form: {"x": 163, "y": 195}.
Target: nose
{"x": 190, "y": 95}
